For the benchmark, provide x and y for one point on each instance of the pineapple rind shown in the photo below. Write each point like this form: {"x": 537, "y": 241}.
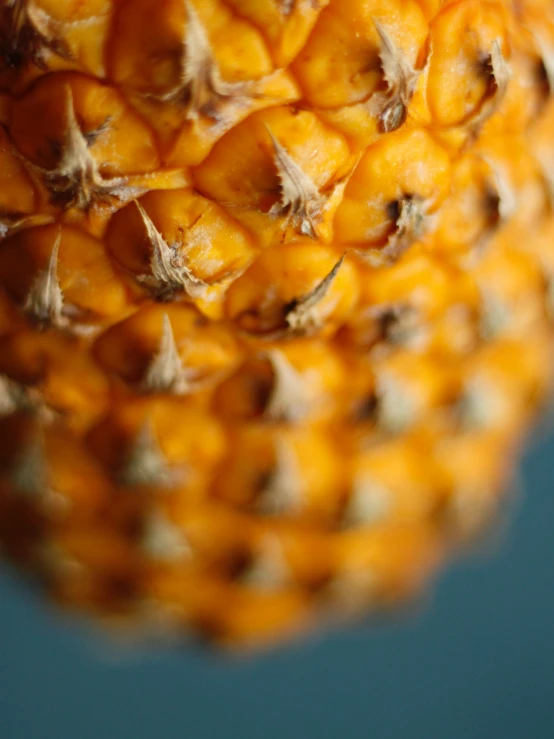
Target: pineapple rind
{"x": 275, "y": 298}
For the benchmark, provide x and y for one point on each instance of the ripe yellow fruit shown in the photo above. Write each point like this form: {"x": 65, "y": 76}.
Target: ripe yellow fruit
{"x": 276, "y": 294}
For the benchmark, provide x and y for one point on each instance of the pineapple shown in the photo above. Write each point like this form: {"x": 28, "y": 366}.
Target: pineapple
{"x": 276, "y": 298}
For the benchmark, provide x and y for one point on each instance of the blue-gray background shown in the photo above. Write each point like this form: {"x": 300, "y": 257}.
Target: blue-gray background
{"x": 478, "y": 661}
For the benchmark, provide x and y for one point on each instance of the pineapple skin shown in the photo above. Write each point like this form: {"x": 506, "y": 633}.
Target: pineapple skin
{"x": 276, "y": 293}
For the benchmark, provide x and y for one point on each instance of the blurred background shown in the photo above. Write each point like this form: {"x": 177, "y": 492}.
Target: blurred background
{"x": 475, "y": 660}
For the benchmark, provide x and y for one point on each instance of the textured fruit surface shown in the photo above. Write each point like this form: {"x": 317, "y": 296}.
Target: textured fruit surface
{"x": 276, "y": 294}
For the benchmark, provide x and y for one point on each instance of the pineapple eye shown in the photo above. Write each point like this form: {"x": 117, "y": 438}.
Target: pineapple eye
{"x": 393, "y": 210}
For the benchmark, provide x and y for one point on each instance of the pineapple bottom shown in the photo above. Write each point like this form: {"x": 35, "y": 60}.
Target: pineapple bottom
{"x": 319, "y": 480}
